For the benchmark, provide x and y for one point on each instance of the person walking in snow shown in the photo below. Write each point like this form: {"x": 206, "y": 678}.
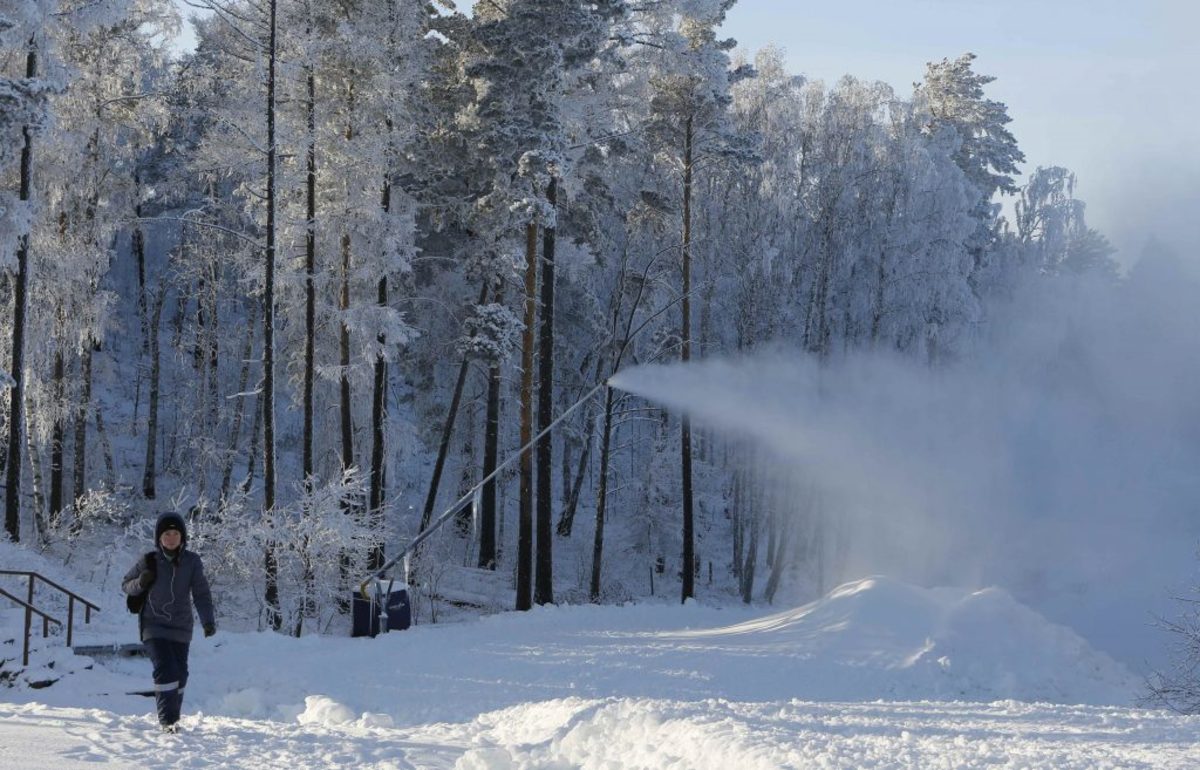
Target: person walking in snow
{"x": 170, "y": 578}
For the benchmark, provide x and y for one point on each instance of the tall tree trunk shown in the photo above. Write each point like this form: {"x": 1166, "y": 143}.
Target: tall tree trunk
{"x": 347, "y": 422}
{"x": 491, "y": 451}
{"x": 310, "y": 291}
{"x": 255, "y": 442}
{"x": 738, "y": 527}
{"x": 466, "y": 516}
{"x": 689, "y": 557}
{"x": 772, "y": 530}
{"x": 566, "y": 521}
{"x": 525, "y": 510}
{"x": 16, "y": 415}
{"x": 139, "y": 249}
{"x": 198, "y": 343}
{"x": 344, "y": 406}
{"x": 214, "y": 354}
{"x": 240, "y": 409}
{"x": 310, "y": 342}
{"x": 491, "y": 440}
{"x": 150, "y": 472}
{"x": 375, "y": 558}
{"x": 81, "y": 421}
{"x": 270, "y": 565}
{"x": 602, "y": 496}
{"x": 780, "y": 560}
{"x": 35, "y": 473}
{"x": 748, "y": 566}
{"x": 308, "y": 607}
{"x": 57, "y": 434}
{"x": 543, "y": 591}
{"x": 439, "y": 464}
{"x": 572, "y": 488}
{"x": 110, "y": 470}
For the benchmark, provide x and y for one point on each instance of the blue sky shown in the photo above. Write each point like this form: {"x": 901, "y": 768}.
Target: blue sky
{"x": 1108, "y": 89}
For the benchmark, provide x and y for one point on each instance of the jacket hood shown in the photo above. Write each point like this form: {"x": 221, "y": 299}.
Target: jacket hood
{"x": 164, "y": 521}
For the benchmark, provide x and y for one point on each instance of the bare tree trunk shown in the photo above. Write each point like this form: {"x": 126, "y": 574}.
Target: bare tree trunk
{"x": 16, "y": 416}
{"x": 572, "y": 488}
{"x": 310, "y": 292}
{"x": 375, "y": 558}
{"x": 308, "y": 607}
{"x": 255, "y": 441}
{"x": 439, "y": 464}
{"x": 346, "y": 422}
{"x": 525, "y": 511}
{"x": 772, "y": 533}
{"x": 110, "y": 471}
{"x": 567, "y": 521}
{"x": 150, "y": 473}
{"x": 239, "y": 410}
{"x": 139, "y": 250}
{"x": 602, "y": 498}
{"x": 466, "y": 469}
{"x": 271, "y": 567}
{"x": 491, "y": 451}
{"x": 169, "y": 437}
{"x": 57, "y": 434}
{"x": 214, "y": 359}
{"x": 780, "y": 562}
{"x": 751, "y": 562}
{"x": 566, "y": 457}
{"x": 738, "y": 527}
{"x": 35, "y": 474}
{"x": 543, "y": 591}
{"x": 606, "y": 434}
{"x": 81, "y": 422}
{"x": 689, "y": 548}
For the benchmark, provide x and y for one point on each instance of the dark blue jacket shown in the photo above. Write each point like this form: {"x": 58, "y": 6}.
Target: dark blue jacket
{"x": 180, "y": 580}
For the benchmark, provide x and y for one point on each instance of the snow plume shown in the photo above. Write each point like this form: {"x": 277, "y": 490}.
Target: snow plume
{"x": 1058, "y": 459}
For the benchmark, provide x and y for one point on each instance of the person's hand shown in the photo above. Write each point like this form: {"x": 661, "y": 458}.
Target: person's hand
{"x": 145, "y": 579}
{"x": 209, "y": 629}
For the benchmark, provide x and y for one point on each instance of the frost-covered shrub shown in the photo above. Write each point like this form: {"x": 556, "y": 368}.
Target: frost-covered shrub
{"x": 320, "y": 544}
{"x": 98, "y": 509}
{"x": 1178, "y": 688}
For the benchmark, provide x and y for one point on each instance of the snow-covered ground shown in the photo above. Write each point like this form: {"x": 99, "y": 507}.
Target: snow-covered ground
{"x": 877, "y": 674}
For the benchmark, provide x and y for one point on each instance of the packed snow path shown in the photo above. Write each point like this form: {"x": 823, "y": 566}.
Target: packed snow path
{"x": 878, "y": 674}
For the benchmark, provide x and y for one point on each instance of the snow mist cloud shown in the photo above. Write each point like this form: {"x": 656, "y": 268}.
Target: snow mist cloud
{"x": 1059, "y": 459}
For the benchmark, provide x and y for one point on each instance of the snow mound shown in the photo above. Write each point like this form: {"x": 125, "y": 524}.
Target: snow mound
{"x": 324, "y": 711}
{"x": 937, "y": 643}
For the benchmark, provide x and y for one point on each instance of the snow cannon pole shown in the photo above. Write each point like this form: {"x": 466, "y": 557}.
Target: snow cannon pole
{"x": 470, "y": 494}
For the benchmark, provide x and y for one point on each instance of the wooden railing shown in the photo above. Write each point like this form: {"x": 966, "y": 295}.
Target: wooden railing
{"x": 31, "y": 609}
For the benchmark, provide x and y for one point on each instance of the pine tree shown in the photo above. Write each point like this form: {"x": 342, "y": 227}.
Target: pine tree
{"x": 953, "y": 95}
{"x": 688, "y": 117}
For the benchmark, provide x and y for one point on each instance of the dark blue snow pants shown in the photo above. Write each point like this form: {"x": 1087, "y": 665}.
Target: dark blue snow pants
{"x": 170, "y": 661}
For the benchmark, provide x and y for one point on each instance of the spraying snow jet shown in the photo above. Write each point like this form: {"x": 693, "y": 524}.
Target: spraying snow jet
{"x": 1058, "y": 458}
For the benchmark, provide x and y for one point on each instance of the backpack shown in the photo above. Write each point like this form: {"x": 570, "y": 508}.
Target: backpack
{"x": 135, "y": 602}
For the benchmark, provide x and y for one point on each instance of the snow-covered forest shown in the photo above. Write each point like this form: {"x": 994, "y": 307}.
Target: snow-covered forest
{"x": 317, "y": 279}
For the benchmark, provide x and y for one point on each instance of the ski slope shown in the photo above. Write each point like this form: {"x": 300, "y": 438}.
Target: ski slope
{"x": 878, "y": 674}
